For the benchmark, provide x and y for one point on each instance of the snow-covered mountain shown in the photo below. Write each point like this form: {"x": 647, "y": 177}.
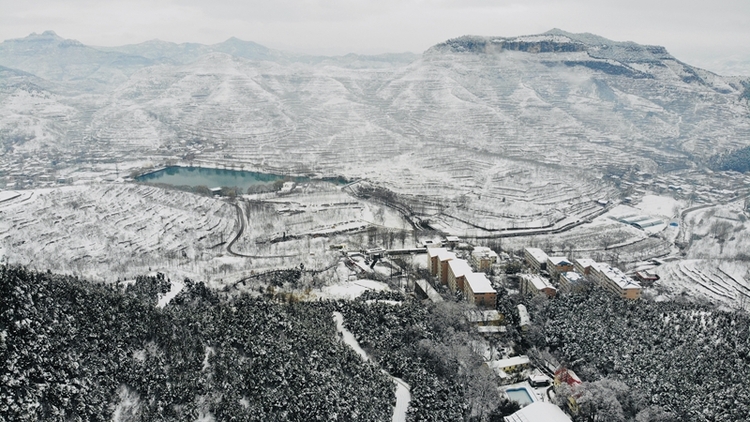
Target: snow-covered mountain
{"x": 503, "y": 128}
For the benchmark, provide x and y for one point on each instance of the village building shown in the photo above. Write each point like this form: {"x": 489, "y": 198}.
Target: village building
{"x": 538, "y": 379}
{"x": 484, "y": 318}
{"x": 567, "y": 376}
{"x": 535, "y": 258}
{"x": 647, "y": 277}
{"x": 557, "y": 265}
{"x": 512, "y": 364}
{"x": 534, "y": 284}
{"x": 437, "y": 263}
{"x": 444, "y": 257}
{"x": 583, "y": 265}
{"x": 615, "y": 281}
{"x": 424, "y": 290}
{"x": 478, "y": 290}
{"x": 524, "y": 321}
{"x": 452, "y": 241}
{"x": 482, "y": 258}
{"x": 539, "y": 411}
{"x": 433, "y": 262}
{"x": 572, "y": 281}
{"x": 457, "y": 271}
{"x": 432, "y": 244}
{"x": 491, "y": 331}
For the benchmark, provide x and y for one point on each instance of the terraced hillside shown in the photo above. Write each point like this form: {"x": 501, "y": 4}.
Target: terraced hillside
{"x": 719, "y": 282}
{"x": 478, "y": 134}
{"x": 115, "y": 230}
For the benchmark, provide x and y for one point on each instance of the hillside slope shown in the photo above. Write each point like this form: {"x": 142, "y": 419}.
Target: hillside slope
{"x": 486, "y": 131}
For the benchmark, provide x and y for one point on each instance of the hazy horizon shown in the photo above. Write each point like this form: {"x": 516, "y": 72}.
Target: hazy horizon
{"x": 714, "y": 36}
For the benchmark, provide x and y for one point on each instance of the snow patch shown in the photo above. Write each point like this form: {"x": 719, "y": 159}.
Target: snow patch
{"x": 128, "y": 406}
{"x": 175, "y": 288}
{"x": 352, "y": 289}
{"x": 663, "y": 206}
{"x": 403, "y": 394}
{"x": 205, "y": 417}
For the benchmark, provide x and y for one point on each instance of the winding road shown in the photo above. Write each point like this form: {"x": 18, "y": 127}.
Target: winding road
{"x": 403, "y": 394}
{"x": 230, "y": 246}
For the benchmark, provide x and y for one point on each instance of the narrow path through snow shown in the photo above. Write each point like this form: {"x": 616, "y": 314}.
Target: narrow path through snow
{"x": 174, "y": 289}
{"x": 403, "y": 395}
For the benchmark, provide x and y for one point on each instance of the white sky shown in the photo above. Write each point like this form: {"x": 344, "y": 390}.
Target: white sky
{"x": 696, "y": 31}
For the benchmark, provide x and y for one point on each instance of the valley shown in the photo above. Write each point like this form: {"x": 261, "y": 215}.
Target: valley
{"x": 239, "y": 198}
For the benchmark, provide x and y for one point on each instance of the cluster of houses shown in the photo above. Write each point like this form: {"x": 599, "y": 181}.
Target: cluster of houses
{"x": 569, "y": 275}
{"x": 459, "y": 274}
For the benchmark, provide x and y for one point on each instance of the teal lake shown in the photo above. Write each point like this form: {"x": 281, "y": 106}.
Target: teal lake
{"x": 215, "y": 178}
{"x": 212, "y": 178}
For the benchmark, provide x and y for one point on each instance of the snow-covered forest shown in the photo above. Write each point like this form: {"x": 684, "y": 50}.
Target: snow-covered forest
{"x": 684, "y": 361}
{"x": 75, "y": 350}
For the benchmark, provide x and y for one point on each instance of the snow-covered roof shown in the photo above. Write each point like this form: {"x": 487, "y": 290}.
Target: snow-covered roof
{"x": 585, "y": 262}
{"x": 538, "y": 254}
{"x": 478, "y": 283}
{"x": 433, "y": 252}
{"x": 617, "y": 276}
{"x": 444, "y": 255}
{"x": 559, "y": 260}
{"x": 459, "y": 267}
{"x": 538, "y": 281}
{"x": 572, "y": 277}
{"x": 539, "y": 411}
{"x": 507, "y": 363}
{"x": 431, "y": 293}
{"x": 476, "y": 315}
{"x": 523, "y": 315}
{"x": 481, "y": 251}
{"x": 489, "y": 329}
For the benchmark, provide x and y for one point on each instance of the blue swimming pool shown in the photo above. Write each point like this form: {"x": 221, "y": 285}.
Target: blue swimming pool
{"x": 520, "y": 395}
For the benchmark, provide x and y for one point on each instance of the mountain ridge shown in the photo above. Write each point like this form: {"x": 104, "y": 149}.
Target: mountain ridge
{"x": 471, "y": 127}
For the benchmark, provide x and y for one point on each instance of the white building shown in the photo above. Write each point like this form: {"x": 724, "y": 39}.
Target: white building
{"x": 539, "y": 411}
{"x": 482, "y": 258}
{"x": 523, "y": 318}
{"x": 479, "y": 291}
{"x": 571, "y": 281}
{"x": 535, "y": 258}
{"x": 457, "y": 271}
{"x": 533, "y": 284}
{"x": 615, "y": 281}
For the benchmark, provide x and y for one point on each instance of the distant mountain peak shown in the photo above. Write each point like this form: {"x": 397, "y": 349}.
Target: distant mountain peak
{"x": 556, "y": 41}
{"x": 46, "y": 35}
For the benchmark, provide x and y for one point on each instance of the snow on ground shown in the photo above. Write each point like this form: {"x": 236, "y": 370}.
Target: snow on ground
{"x": 662, "y": 206}
{"x": 8, "y": 195}
{"x": 351, "y": 289}
{"x": 175, "y": 288}
{"x": 110, "y": 231}
{"x": 718, "y": 281}
{"x": 403, "y": 395}
{"x": 127, "y": 408}
{"x": 348, "y": 337}
{"x": 205, "y": 417}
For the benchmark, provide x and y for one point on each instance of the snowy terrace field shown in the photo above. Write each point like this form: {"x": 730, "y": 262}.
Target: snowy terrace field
{"x": 607, "y": 239}
{"x": 718, "y": 281}
{"x": 715, "y": 240}
{"x": 109, "y": 231}
{"x": 300, "y": 227}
